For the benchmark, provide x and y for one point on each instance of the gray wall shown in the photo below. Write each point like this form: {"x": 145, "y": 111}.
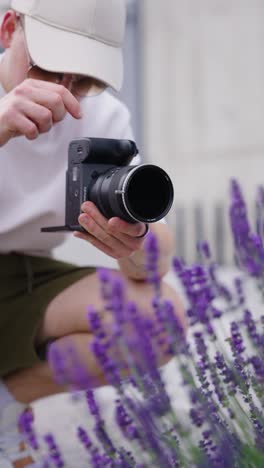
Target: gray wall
{"x": 131, "y": 91}
{"x": 204, "y": 109}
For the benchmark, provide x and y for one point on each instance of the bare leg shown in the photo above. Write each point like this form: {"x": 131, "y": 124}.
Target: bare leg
{"x": 30, "y": 384}
{"x": 38, "y": 382}
{"x": 67, "y": 313}
{"x": 65, "y": 320}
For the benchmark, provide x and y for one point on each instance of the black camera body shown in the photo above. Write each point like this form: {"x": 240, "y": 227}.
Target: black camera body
{"x": 99, "y": 170}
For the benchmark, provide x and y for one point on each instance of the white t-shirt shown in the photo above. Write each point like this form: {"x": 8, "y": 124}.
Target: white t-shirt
{"x": 33, "y": 174}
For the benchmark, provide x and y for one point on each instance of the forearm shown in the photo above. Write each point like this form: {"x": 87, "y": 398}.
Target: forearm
{"x": 134, "y": 266}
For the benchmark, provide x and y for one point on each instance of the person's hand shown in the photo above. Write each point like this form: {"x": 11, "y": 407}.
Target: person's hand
{"x": 33, "y": 107}
{"x": 115, "y": 237}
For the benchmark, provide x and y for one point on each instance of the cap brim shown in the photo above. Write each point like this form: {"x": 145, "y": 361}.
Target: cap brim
{"x": 55, "y": 49}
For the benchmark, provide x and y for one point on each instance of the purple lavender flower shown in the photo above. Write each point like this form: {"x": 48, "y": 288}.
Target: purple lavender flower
{"x": 249, "y": 249}
{"x": 227, "y": 374}
{"x": 84, "y": 438}
{"x": 251, "y": 327}
{"x": 25, "y": 423}
{"x": 152, "y": 257}
{"x": 125, "y": 421}
{"x": 236, "y": 340}
{"x": 199, "y": 292}
{"x": 107, "y": 364}
{"x": 225, "y": 388}
{"x": 55, "y": 455}
{"x": 92, "y": 405}
{"x": 57, "y": 363}
{"x": 258, "y": 366}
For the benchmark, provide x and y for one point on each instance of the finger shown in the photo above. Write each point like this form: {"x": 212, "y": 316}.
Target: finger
{"x": 91, "y": 210}
{"x": 51, "y": 101}
{"x": 39, "y": 115}
{"x": 96, "y": 243}
{"x": 70, "y": 102}
{"x": 131, "y": 229}
{"x": 91, "y": 226}
{"x": 130, "y": 242}
{"x": 23, "y": 126}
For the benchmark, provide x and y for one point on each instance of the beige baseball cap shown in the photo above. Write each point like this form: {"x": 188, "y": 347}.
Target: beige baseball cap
{"x": 83, "y": 37}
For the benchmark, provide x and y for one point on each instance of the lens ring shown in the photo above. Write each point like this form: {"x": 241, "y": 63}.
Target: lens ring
{"x": 124, "y": 192}
{"x": 144, "y": 233}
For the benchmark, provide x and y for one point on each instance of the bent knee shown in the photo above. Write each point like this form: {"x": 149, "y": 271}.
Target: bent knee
{"x": 143, "y": 294}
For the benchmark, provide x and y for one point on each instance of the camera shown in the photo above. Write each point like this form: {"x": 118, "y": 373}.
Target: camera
{"x": 99, "y": 171}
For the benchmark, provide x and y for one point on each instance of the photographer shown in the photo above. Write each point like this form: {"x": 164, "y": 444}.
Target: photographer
{"x": 58, "y": 57}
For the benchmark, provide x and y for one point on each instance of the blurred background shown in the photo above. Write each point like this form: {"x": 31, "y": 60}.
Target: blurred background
{"x": 194, "y": 83}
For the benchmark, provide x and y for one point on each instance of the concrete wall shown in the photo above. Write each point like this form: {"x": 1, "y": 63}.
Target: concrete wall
{"x": 204, "y": 107}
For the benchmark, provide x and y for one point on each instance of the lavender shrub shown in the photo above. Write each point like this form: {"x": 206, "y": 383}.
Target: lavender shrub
{"x": 224, "y": 424}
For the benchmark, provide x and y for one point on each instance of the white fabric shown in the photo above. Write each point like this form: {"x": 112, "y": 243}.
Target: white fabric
{"x": 32, "y": 174}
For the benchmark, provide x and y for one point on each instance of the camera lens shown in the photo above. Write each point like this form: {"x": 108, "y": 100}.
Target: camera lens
{"x": 148, "y": 193}
{"x": 134, "y": 193}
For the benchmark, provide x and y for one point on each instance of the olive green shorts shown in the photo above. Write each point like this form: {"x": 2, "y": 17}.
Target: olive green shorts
{"x": 27, "y": 285}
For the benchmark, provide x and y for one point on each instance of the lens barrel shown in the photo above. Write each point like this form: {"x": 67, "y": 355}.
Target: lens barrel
{"x": 141, "y": 193}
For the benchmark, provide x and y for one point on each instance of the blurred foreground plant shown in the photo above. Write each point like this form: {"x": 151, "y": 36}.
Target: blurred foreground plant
{"x": 222, "y": 379}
